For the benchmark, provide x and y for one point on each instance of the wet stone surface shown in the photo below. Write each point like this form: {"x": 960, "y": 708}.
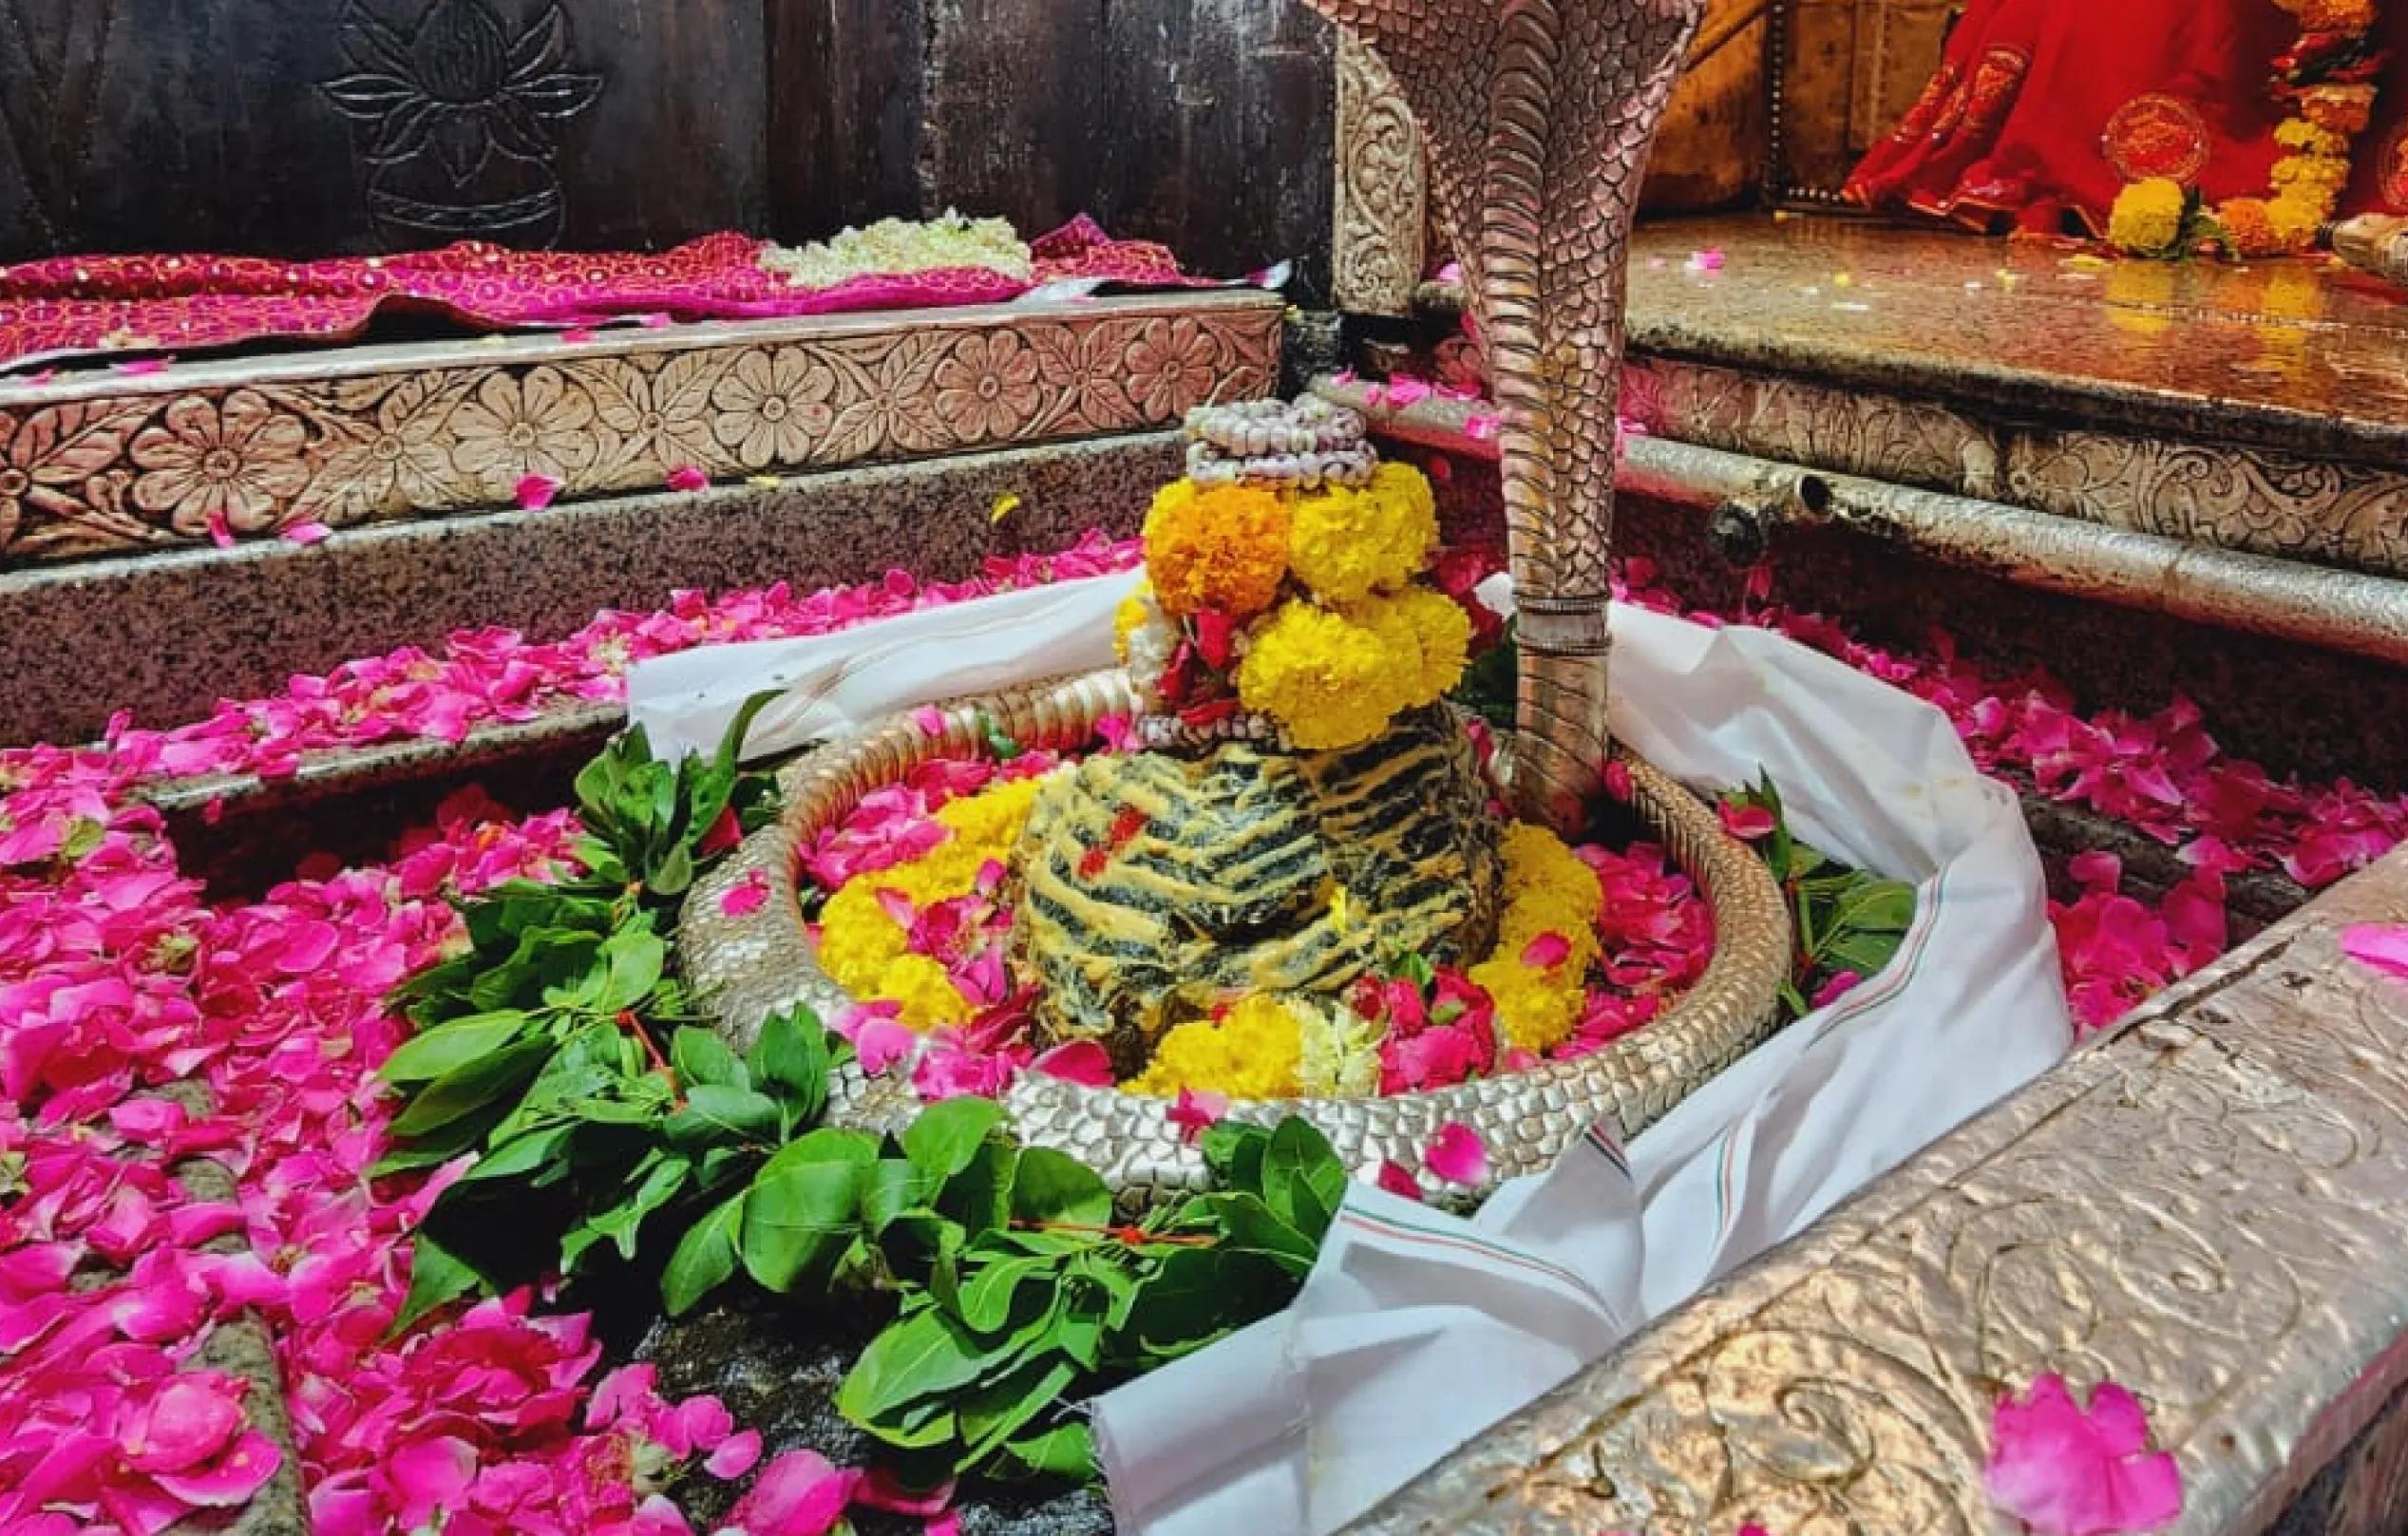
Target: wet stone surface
{"x": 777, "y": 1367}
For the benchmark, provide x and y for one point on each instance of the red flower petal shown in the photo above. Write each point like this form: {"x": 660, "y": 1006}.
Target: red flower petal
{"x": 2065, "y": 1473}
{"x": 1457, "y": 1154}
{"x": 1076, "y": 1061}
{"x": 235, "y": 1477}
{"x": 687, "y": 477}
{"x": 536, "y": 492}
{"x": 1398, "y": 1180}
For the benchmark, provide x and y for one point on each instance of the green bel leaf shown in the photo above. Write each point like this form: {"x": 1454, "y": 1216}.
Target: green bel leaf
{"x": 522, "y": 1155}
{"x": 790, "y": 1059}
{"x": 485, "y": 1082}
{"x": 922, "y": 1356}
{"x": 1066, "y": 1451}
{"x": 450, "y": 1046}
{"x": 714, "y": 1112}
{"x": 1302, "y": 1180}
{"x": 1053, "y": 1189}
{"x": 664, "y": 1176}
{"x": 797, "y": 1220}
{"x": 986, "y": 1299}
{"x": 1002, "y": 1407}
{"x": 635, "y": 958}
{"x": 437, "y": 1276}
{"x": 948, "y": 1134}
{"x": 1233, "y": 1154}
{"x": 705, "y": 1258}
{"x": 702, "y": 1061}
{"x": 714, "y": 784}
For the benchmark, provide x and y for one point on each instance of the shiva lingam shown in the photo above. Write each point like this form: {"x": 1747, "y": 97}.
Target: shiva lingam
{"x": 1274, "y": 837}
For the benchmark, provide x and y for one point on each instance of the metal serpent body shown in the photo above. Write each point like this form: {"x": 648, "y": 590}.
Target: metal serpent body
{"x": 1539, "y": 115}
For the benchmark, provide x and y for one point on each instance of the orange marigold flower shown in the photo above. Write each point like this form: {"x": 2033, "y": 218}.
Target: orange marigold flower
{"x": 1224, "y": 547}
{"x": 2248, "y": 229}
{"x": 2336, "y": 15}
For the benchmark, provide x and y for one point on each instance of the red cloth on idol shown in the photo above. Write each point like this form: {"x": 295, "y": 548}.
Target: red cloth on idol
{"x": 2043, "y": 109}
{"x": 70, "y": 306}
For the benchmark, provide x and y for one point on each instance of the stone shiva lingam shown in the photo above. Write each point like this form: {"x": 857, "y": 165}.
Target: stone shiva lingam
{"x": 1304, "y": 808}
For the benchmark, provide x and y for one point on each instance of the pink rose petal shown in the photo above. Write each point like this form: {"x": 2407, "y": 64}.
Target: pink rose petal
{"x": 734, "y": 1456}
{"x": 798, "y": 1494}
{"x": 536, "y": 492}
{"x": 745, "y": 897}
{"x": 687, "y": 477}
{"x": 2378, "y": 946}
{"x": 930, "y": 720}
{"x": 1076, "y": 1061}
{"x": 1397, "y": 1180}
{"x": 1546, "y": 952}
{"x": 2065, "y": 1473}
{"x": 305, "y": 533}
{"x": 235, "y": 1476}
{"x": 221, "y": 531}
{"x": 1837, "y": 987}
{"x": 1747, "y": 823}
{"x": 575, "y": 334}
{"x": 1457, "y": 1154}
{"x": 1194, "y": 1114}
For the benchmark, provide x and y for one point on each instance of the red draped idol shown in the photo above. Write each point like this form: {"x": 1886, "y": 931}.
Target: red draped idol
{"x": 2042, "y": 109}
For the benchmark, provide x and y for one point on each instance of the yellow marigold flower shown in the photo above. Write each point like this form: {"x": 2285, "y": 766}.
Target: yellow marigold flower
{"x": 857, "y": 938}
{"x": 1536, "y": 1010}
{"x": 1328, "y": 680}
{"x": 1347, "y": 545}
{"x": 2148, "y": 217}
{"x": 992, "y": 819}
{"x": 1429, "y": 638}
{"x": 2306, "y": 138}
{"x": 1224, "y": 547}
{"x": 2343, "y": 109}
{"x": 2302, "y": 171}
{"x": 2336, "y": 15}
{"x": 1547, "y": 891}
{"x": 1126, "y": 621}
{"x": 1541, "y": 866}
{"x": 2248, "y": 229}
{"x": 927, "y": 994}
{"x": 2294, "y": 218}
{"x": 1252, "y": 1052}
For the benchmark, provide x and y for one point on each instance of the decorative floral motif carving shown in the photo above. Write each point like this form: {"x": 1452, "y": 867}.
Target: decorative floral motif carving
{"x": 147, "y": 468}
{"x": 1383, "y": 192}
{"x": 239, "y": 456}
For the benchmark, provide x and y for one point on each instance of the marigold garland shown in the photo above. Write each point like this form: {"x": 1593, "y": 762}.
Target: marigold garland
{"x": 1329, "y": 680}
{"x": 1224, "y": 547}
{"x": 1346, "y": 544}
{"x": 2326, "y": 80}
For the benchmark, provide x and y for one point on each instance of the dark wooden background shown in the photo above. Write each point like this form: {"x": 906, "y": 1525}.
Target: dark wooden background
{"x": 341, "y": 126}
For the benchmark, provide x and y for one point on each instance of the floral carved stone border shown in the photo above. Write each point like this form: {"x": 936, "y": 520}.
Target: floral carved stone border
{"x": 105, "y": 465}
{"x": 2223, "y": 494}
{"x": 2203, "y": 1205}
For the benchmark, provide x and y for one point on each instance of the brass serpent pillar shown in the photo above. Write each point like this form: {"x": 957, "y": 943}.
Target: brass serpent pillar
{"x": 1538, "y": 117}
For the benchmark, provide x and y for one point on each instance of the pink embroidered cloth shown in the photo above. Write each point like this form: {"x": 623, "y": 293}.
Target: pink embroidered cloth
{"x": 76, "y": 306}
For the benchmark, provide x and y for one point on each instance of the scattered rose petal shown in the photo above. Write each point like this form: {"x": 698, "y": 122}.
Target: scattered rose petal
{"x": 1618, "y": 781}
{"x": 654, "y": 320}
{"x": 687, "y": 477}
{"x": 2065, "y": 1472}
{"x": 1479, "y": 426}
{"x": 746, "y": 896}
{"x": 2378, "y": 946}
{"x": 734, "y": 1456}
{"x": 1457, "y": 1154}
{"x": 575, "y": 334}
{"x": 221, "y": 531}
{"x": 1710, "y": 259}
{"x": 1118, "y": 733}
{"x": 1747, "y": 823}
{"x": 305, "y": 533}
{"x": 797, "y": 1494}
{"x": 137, "y": 367}
{"x": 1194, "y": 1114}
{"x": 1397, "y": 1180}
{"x": 1546, "y": 952}
{"x": 1076, "y": 1061}
{"x": 536, "y": 492}
{"x": 1839, "y": 986}
{"x": 930, "y": 720}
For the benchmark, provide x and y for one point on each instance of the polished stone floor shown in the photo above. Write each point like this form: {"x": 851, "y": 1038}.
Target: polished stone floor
{"x": 2301, "y": 348}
